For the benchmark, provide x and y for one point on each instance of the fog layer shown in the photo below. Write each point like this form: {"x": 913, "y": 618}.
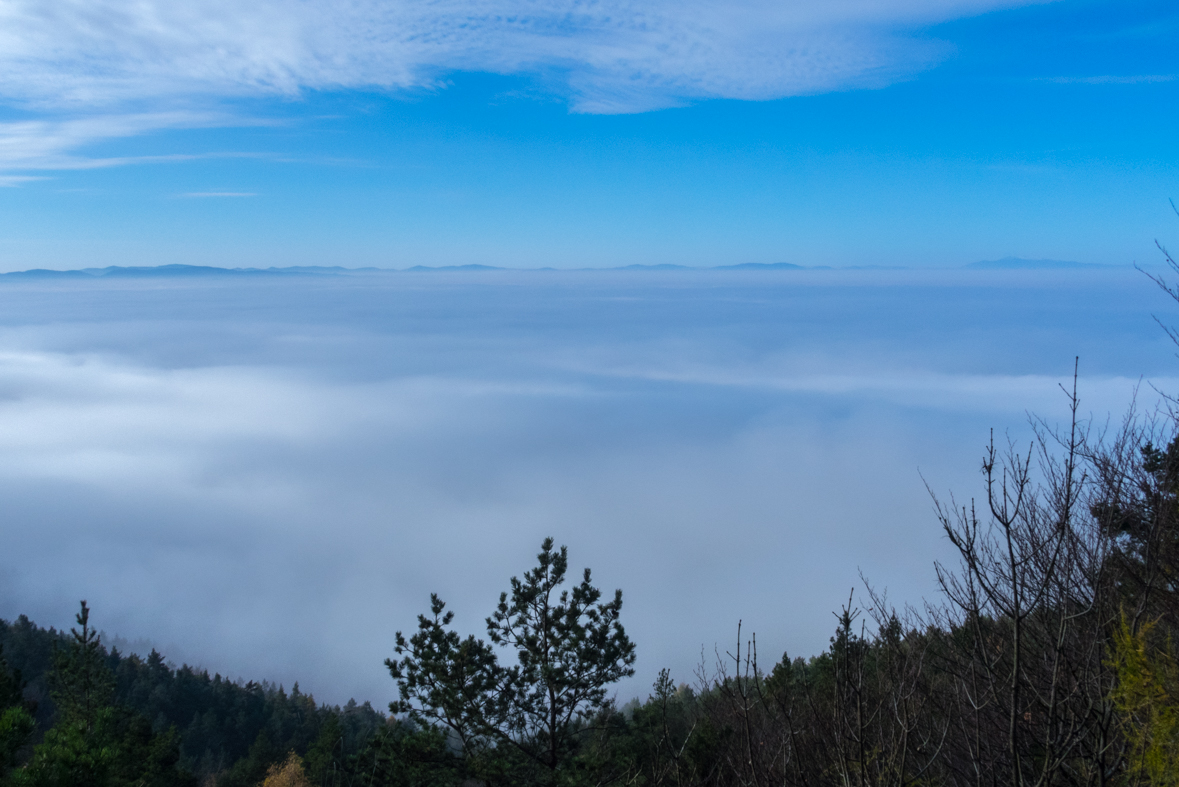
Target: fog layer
{"x": 268, "y": 477}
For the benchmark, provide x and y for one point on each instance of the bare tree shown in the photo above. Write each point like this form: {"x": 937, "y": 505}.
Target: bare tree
{"x": 1032, "y": 598}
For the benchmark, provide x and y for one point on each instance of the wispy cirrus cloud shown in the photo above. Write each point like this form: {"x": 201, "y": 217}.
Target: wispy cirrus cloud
{"x": 57, "y": 141}
{"x": 9, "y": 181}
{"x": 49, "y": 143}
{"x": 216, "y": 194}
{"x": 1110, "y": 79}
{"x": 88, "y": 60}
{"x": 616, "y": 55}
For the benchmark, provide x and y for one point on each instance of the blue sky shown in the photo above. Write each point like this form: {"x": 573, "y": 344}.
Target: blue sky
{"x": 570, "y": 134}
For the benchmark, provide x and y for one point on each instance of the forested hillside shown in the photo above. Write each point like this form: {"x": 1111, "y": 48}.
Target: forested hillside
{"x": 221, "y": 728}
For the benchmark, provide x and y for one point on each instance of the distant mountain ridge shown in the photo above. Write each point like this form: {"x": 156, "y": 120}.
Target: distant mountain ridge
{"x": 150, "y": 271}
{"x": 174, "y": 270}
{"x": 1020, "y": 263}
{"x": 205, "y": 271}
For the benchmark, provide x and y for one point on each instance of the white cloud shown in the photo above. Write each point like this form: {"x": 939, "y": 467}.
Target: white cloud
{"x": 48, "y": 143}
{"x": 8, "y": 181}
{"x": 618, "y": 55}
{"x": 1133, "y": 79}
{"x": 86, "y": 68}
{"x": 216, "y": 194}
{"x": 228, "y": 511}
{"x": 271, "y": 475}
{"x": 92, "y": 59}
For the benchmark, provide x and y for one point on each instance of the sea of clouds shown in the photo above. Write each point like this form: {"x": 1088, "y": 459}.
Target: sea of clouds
{"x": 268, "y": 476}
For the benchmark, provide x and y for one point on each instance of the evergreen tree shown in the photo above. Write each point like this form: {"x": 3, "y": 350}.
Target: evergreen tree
{"x": 217, "y": 719}
{"x": 16, "y": 721}
{"x": 403, "y": 755}
{"x": 95, "y": 743}
{"x": 531, "y": 716}
{"x": 11, "y": 685}
{"x": 81, "y": 683}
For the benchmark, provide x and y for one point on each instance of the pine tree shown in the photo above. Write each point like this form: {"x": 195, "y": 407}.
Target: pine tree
{"x": 95, "y": 743}
{"x": 570, "y": 646}
{"x": 11, "y": 685}
{"x": 81, "y": 683}
{"x": 16, "y": 722}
